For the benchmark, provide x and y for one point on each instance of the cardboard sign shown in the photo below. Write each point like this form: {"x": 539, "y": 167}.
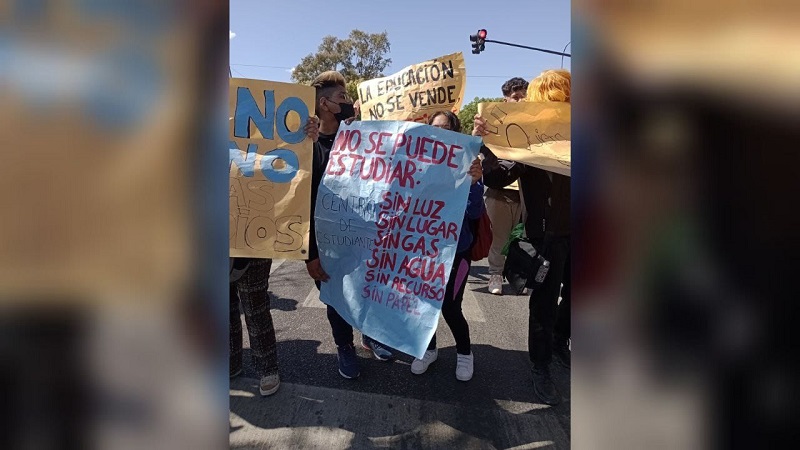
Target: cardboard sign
{"x": 388, "y": 216}
{"x": 270, "y": 169}
{"x": 415, "y": 92}
{"x": 533, "y": 133}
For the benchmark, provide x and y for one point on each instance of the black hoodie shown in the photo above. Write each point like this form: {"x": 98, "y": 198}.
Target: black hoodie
{"x": 322, "y": 151}
{"x": 546, "y": 194}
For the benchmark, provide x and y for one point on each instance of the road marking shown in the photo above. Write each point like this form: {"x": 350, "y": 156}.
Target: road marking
{"x": 313, "y": 301}
{"x": 532, "y": 445}
{"x": 471, "y": 308}
{"x": 275, "y": 264}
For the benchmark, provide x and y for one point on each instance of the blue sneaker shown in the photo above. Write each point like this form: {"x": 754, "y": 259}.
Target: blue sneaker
{"x": 381, "y": 353}
{"x": 348, "y": 362}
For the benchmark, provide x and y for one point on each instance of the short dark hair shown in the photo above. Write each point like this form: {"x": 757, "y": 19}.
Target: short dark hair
{"x": 455, "y": 124}
{"x": 514, "y": 84}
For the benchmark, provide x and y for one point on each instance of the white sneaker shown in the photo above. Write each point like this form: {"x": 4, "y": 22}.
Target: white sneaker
{"x": 496, "y": 284}
{"x": 269, "y": 384}
{"x": 419, "y": 366}
{"x": 464, "y": 367}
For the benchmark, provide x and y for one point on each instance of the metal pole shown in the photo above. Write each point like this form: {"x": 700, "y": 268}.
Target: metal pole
{"x": 529, "y": 48}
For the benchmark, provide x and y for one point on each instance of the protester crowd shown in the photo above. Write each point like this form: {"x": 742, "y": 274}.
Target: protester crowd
{"x": 509, "y": 192}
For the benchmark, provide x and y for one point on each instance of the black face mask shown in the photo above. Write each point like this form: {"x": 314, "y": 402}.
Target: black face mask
{"x": 346, "y": 111}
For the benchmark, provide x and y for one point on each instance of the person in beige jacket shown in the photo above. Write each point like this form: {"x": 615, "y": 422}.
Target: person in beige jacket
{"x": 503, "y": 205}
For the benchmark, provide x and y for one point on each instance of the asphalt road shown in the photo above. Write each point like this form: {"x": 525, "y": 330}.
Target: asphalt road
{"x": 388, "y": 406}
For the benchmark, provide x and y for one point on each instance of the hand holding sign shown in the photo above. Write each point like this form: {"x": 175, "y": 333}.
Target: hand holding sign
{"x": 479, "y": 126}
{"x": 314, "y": 268}
{"x": 312, "y": 128}
{"x": 476, "y": 170}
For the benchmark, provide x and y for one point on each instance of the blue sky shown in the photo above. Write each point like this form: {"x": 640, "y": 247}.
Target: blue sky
{"x": 277, "y": 34}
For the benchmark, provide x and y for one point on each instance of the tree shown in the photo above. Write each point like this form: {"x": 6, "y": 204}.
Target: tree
{"x": 359, "y": 57}
{"x": 468, "y": 111}
{"x": 352, "y": 87}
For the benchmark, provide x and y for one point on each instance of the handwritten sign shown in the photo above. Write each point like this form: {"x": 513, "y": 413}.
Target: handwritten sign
{"x": 270, "y": 169}
{"x": 415, "y": 92}
{"x": 533, "y": 133}
{"x": 389, "y": 212}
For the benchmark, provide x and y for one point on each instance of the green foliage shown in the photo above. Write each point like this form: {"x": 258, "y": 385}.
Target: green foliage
{"x": 468, "y": 111}
{"x": 352, "y": 87}
{"x": 361, "y": 56}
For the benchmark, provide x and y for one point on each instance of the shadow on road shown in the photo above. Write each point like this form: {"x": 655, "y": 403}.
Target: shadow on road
{"x": 496, "y": 407}
{"x": 499, "y": 374}
{"x": 282, "y": 304}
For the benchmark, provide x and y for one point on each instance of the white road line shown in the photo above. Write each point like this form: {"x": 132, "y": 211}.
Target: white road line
{"x": 275, "y": 264}
{"x": 471, "y": 308}
{"x": 313, "y": 301}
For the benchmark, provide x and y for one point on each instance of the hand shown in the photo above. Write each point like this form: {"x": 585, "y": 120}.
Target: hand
{"x": 479, "y": 126}
{"x": 312, "y": 128}
{"x": 314, "y": 268}
{"x": 349, "y": 121}
{"x": 476, "y": 170}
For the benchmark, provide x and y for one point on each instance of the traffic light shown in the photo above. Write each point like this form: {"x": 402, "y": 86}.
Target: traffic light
{"x": 478, "y": 40}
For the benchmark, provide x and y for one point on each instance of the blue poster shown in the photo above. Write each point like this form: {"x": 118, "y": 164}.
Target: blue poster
{"x": 388, "y": 215}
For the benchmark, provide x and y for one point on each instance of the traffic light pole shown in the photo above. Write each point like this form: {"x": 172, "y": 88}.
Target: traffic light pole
{"x": 529, "y": 48}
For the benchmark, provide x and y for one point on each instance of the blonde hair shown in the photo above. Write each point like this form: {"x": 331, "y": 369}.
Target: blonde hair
{"x": 327, "y": 79}
{"x": 550, "y": 86}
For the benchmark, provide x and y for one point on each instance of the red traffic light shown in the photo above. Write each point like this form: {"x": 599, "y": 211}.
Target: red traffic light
{"x": 478, "y": 41}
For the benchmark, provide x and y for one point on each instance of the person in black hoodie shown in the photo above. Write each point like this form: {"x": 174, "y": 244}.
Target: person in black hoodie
{"x": 333, "y": 106}
{"x": 547, "y": 200}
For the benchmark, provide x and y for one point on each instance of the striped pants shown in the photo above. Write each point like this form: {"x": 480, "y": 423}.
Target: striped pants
{"x": 251, "y": 291}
